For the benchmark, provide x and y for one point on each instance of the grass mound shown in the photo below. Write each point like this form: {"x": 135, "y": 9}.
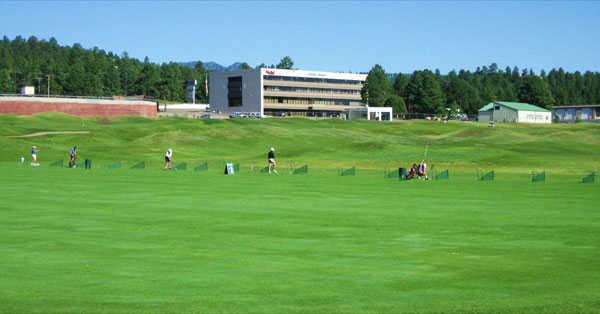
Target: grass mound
{"x": 322, "y": 144}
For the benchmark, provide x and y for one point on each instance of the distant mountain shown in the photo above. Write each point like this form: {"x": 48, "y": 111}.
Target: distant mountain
{"x": 234, "y": 67}
{"x": 213, "y": 66}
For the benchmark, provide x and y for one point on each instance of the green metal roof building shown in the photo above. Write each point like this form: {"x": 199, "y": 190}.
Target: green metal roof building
{"x": 504, "y": 111}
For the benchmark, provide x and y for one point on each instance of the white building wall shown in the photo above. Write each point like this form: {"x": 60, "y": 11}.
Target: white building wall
{"x": 314, "y": 74}
{"x": 534, "y": 117}
{"x": 379, "y": 113}
{"x": 371, "y": 113}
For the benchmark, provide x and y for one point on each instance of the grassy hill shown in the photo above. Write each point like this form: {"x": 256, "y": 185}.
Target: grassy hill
{"x": 322, "y": 144}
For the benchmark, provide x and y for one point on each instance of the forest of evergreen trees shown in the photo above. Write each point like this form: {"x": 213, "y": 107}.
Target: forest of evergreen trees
{"x": 430, "y": 92}
{"x": 73, "y": 70}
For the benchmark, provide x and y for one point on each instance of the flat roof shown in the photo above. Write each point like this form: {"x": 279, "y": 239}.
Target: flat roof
{"x": 295, "y": 73}
{"x": 373, "y": 109}
{"x": 314, "y": 74}
{"x": 576, "y": 106}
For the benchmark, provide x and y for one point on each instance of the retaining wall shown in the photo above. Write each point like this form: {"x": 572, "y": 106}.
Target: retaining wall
{"x": 78, "y": 107}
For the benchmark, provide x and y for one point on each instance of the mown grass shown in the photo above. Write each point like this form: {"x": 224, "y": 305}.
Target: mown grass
{"x": 152, "y": 241}
{"x": 322, "y": 144}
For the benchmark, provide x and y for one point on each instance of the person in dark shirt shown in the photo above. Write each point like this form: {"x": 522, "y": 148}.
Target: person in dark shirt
{"x": 271, "y": 160}
{"x": 412, "y": 171}
{"x": 34, "y": 153}
{"x": 73, "y": 155}
{"x": 168, "y": 157}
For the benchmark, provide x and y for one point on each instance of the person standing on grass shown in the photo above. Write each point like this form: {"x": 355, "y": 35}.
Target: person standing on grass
{"x": 73, "y": 156}
{"x": 422, "y": 170}
{"x": 168, "y": 156}
{"x": 271, "y": 160}
{"x": 34, "y": 152}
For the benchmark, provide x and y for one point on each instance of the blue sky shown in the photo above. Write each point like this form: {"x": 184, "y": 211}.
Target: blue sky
{"x": 335, "y": 36}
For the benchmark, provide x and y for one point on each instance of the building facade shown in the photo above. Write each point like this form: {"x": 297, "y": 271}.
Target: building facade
{"x": 286, "y": 92}
{"x": 502, "y": 111}
{"x": 580, "y": 113}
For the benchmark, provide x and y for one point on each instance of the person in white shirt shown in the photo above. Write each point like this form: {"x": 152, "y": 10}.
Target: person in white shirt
{"x": 168, "y": 156}
{"x": 422, "y": 170}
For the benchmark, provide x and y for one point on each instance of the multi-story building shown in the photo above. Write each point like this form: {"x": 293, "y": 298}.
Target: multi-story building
{"x": 579, "y": 113}
{"x": 286, "y": 92}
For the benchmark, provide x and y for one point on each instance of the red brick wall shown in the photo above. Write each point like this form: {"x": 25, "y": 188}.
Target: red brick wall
{"x": 78, "y": 109}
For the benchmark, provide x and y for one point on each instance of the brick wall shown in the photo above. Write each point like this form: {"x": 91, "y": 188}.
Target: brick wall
{"x": 79, "y": 109}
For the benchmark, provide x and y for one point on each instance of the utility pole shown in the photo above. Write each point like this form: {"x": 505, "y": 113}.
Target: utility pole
{"x": 113, "y": 83}
{"x": 38, "y": 79}
{"x": 48, "y": 76}
{"x": 16, "y": 86}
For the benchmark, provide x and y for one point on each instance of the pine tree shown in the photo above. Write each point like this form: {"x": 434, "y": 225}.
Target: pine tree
{"x": 377, "y": 88}
{"x": 285, "y": 63}
{"x": 397, "y": 103}
{"x": 536, "y": 91}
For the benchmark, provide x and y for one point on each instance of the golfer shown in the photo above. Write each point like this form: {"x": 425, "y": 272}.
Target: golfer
{"x": 168, "y": 157}
{"x": 271, "y": 160}
{"x": 422, "y": 170}
{"x": 34, "y": 152}
{"x": 73, "y": 155}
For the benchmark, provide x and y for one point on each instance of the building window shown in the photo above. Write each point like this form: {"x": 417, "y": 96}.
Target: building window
{"x": 234, "y": 91}
{"x": 306, "y": 101}
{"x": 310, "y": 90}
{"x": 310, "y": 79}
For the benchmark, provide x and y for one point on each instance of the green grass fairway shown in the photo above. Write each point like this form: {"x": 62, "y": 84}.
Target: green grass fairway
{"x": 152, "y": 241}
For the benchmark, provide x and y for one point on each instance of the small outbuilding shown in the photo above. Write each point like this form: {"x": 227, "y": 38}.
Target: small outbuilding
{"x": 503, "y": 111}
{"x": 371, "y": 113}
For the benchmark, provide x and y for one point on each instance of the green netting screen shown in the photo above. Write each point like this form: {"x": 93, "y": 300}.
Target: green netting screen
{"x": 590, "y": 178}
{"x": 202, "y": 167}
{"x": 139, "y": 165}
{"x": 114, "y": 165}
{"x": 538, "y": 177}
{"x": 57, "y": 163}
{"x": 443, "y": 175}
{"x": 349, "y": 172}
{"x": 301, "y": 170}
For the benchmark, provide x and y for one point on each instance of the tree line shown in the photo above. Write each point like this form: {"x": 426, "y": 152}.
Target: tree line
{"x": 73, "y": 70}
{"x": 430, "y": 92}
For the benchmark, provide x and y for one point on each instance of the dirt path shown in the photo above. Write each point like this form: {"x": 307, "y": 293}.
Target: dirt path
{"x": 50, "y": 133}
